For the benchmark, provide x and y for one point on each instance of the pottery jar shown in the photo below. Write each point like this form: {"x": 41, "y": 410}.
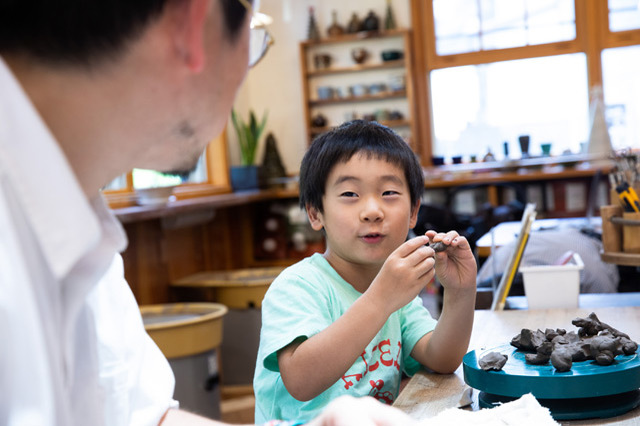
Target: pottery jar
{"x": 359, "y": 55}
{"x": 371, "y": 22}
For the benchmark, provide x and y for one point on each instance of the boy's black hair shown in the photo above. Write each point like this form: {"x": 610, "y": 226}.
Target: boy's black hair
{"x": 84, "y": 32}
{"x": 340, "y": 144}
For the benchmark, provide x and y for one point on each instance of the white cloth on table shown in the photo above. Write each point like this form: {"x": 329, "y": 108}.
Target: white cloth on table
{"x": 74, "y": 349}
{"x": 524, "y": 411}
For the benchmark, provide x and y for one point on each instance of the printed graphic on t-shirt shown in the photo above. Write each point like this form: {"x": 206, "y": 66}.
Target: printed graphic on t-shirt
{"x": 376, "y": 365}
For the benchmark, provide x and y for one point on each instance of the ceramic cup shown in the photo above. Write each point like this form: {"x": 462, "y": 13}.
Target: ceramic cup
{"x": 326, "y": 92}
{"x": 358, "y": 90}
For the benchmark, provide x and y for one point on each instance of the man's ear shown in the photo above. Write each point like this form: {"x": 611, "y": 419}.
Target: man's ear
{"x": 315, "y": 218}
{"x": 413, "y": 219}
{"x": 188, "y": 19}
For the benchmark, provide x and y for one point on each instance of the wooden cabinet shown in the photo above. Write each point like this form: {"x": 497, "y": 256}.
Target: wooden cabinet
{"x": 339, "y": 89}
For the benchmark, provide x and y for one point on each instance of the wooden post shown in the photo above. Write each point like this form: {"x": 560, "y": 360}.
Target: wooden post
{"x": 611, "y": 232}
{"x": 631, "y": 234}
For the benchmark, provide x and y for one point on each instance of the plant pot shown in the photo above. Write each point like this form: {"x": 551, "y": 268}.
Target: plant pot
{"x": 245, "y": 178}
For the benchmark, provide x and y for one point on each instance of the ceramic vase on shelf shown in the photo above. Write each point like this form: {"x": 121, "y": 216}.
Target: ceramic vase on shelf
{"x": 335, "y": 29}
{"x": 389, "y": 19}
{"x": 354, "y": 24}
{"x": 524, "y": 145}
{"x": 371, "y": 22}
{"x": 312, "y": 30}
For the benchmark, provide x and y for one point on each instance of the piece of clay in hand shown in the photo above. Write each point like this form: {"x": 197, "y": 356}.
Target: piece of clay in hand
{"x": 493, "y": 361}
{"x": 438, "y": 247}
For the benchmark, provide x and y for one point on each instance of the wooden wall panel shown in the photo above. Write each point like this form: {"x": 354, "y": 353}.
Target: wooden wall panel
{"x": 163, "y": 250}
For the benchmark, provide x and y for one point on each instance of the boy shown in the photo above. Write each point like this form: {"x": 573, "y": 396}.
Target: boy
{"x": 349, "y": 321}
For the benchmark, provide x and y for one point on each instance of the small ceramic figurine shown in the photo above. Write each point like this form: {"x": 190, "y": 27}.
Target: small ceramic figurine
{"x": 322, "y": 61}
{"x": 312, "y": 30}
{"x": 489, "y": 156}
{"x": 319, "y": 120}
{"x": 335, "y": 29}
{"x": 389, "y": 19}
{"x": 272, "y": 166}
{"x": 354, "y": 24}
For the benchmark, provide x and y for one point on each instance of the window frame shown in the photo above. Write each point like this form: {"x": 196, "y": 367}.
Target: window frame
{"x": 218, "y": 181}
{"x": 592, "y": 37}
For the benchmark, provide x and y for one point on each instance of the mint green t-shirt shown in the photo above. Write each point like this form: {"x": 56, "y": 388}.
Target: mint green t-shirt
{"x": 302, "y": 301}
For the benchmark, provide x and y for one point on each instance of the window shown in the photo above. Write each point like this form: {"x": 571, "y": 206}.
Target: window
{"x": 468, "y": 26}
{"x": 624, "y": 15}
{"x": 620, "y": 71}
{"x": 477, "y": 108}
{"x": 209, "y": 177}
{"x": 498, "y": 69}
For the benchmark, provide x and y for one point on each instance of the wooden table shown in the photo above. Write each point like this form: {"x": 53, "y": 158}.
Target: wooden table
{"x": 427, "y": 394}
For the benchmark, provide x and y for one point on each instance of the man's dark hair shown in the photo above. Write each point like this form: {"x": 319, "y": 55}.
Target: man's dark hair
{"x": 83, "y": 32}
{"x": 340, "y": 144}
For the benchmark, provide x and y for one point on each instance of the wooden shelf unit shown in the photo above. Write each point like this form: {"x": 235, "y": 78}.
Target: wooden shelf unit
{"x": 313, "y": 105}
{"x": 358, "y": 68}
{"x": 621, "y": 258}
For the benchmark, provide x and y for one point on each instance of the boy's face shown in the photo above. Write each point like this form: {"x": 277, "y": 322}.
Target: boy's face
{"x": 367, "y": 211}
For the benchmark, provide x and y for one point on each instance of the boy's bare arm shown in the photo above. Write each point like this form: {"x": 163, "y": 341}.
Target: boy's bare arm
{"x": 311, "y": 367}
{"x": 443, "y": 349}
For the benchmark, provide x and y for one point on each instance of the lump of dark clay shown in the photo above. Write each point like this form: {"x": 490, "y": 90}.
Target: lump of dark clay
{"x": 493, "y": 361}
{"x": 580, "y": 351}
{"x": 438, "y": 247}
{"x": 629, "y": 347}
{"x": 591, "y": 326}
{"x": 542, "y": 355}
{"x": 605, "y": 348}
{"x": 595, "y": 340}
{"x": 528, "y": 340}
{"x": 561, "y": 358}
{"x": 537, "y": 358}
{"x": 566, "y": 339}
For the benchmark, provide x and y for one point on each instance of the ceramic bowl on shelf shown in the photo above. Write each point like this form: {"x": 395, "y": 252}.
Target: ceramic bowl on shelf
{"x": 359, "y": 55}
{"x": 391, "y": 55}
{"x": 437, "y": 161}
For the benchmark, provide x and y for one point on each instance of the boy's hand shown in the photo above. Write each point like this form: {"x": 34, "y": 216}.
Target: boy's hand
{"x": 456, "y": 266}
{"x": 403, "y": 275}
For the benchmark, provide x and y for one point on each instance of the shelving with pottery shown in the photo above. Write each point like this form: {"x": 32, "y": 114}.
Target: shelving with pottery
{"x": 338, "y": 89}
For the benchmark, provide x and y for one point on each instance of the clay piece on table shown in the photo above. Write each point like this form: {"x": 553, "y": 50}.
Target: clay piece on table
{"x": 528, "y": 340}
{"x": 605, "y": 348}
{"x": 561, "y": 358}
{"x": 595, "y": 340}
{"x": 493, "y": 361}
{"x": 591, "y": 326}
{"x": 542, "y": 355}
{"x": 438, "y": 247}
{"x": 566, "y": 339}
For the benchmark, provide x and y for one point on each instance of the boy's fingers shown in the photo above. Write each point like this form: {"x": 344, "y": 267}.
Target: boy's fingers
{"x": 412, "y": 245}
{"x": 420, "y": 255}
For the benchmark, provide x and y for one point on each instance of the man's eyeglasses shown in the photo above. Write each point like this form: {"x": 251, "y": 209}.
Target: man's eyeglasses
{"x": 259, "y": 38}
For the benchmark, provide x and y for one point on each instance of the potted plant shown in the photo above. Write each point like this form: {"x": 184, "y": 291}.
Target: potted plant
{"x": 247, "y": 175}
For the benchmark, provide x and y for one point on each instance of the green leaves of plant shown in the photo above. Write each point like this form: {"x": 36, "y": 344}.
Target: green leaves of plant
{"x": 248, "y": 135}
